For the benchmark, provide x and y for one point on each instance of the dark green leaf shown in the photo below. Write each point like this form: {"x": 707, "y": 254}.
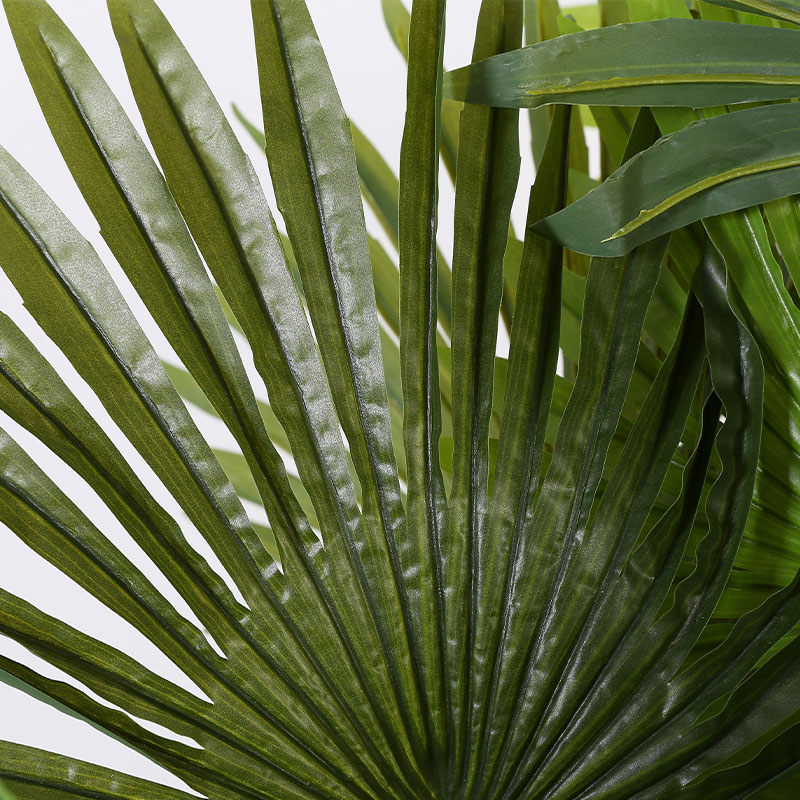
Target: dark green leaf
{"x": 672, "y": 62}
{"x": 713, "y": 166}
{"x": 426, "y": 518}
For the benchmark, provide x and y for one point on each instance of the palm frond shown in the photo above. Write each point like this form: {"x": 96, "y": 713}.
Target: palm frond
{"x": 481, "y": 577}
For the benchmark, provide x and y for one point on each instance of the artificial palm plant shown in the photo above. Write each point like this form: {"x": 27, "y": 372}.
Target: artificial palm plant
{"x": 488, "y": 578}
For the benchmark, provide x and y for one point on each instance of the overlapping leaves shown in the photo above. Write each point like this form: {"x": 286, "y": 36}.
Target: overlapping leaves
{"x": 486, "y": 579}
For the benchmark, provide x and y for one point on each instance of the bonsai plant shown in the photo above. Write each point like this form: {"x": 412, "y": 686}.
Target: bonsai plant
{"x": 484, "y": 577}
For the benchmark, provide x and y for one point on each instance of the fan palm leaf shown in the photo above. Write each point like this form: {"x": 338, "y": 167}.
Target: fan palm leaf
{"x": 483, "y": 577}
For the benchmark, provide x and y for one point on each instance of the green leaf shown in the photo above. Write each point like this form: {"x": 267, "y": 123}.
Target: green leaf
{"x": 606, "y": 606}
{"x": 398, "y": 22}
{"x": 188, "y": 389}
{"x": 216, "y": 188}
{"x": 769, "y": 767}
{"x": 35, "y": 509}
{"x": 783, "y": 216}
{"x": 565, "y": 497}
{"x": 655, "y": 660}
{"x": 381, "y": 190}
{"x": 146, "y": 232}
{"x": 312, "y": 163}
{"x": 50, "y": 263}
{"x": 221, "y": 199}
{"x": 37, "y": 774}
{"x": 712, "y": 166}
{"x": 618, "y": 517}
{"x": 738, "y": 63}
{"x": 486, "y": 182}
{"x": 788, "y": 10}
{"x": 529, "y": 386}
{"x": 427, "y": 509}
{"x": 204, "y": 773}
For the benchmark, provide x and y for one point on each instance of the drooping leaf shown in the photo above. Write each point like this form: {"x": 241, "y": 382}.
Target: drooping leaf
{"x": 712, "y": 166}
{"x": 642, "y": 63}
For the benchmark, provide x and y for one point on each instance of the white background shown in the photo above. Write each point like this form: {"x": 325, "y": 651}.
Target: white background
{"x": 370, "y": 74}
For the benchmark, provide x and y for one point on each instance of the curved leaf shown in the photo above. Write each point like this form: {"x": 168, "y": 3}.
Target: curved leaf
{"x": 670, "y": 62}
{"x": 145, "y": 230}
{"x": 710, "y": 167}
{"x": 788, "y": 10}
{"x": 49, "y": 262}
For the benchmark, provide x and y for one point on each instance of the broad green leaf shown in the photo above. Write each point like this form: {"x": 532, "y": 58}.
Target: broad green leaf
{"x": 769, "y": 767}
{"x": 642, "y": 63}
{"x": 121, "y": 680}
{"x": 222, "y": 201}
{"x": 712, "y": 166}
{"x": 617, "y": 520}
{"x": 226, "y": 223}
{"x": 562, "y": 648}
{"x": 645, "y": 668}
{"x": 380, "y": 189}
{"x": 565, "y": 496}
{"x": 628, "y": 627}
{"x": 224, "y": 206}
{"x": 205, "y": 774}
{"x": 48, "y": 522}
{"x": 50, "y": 263}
